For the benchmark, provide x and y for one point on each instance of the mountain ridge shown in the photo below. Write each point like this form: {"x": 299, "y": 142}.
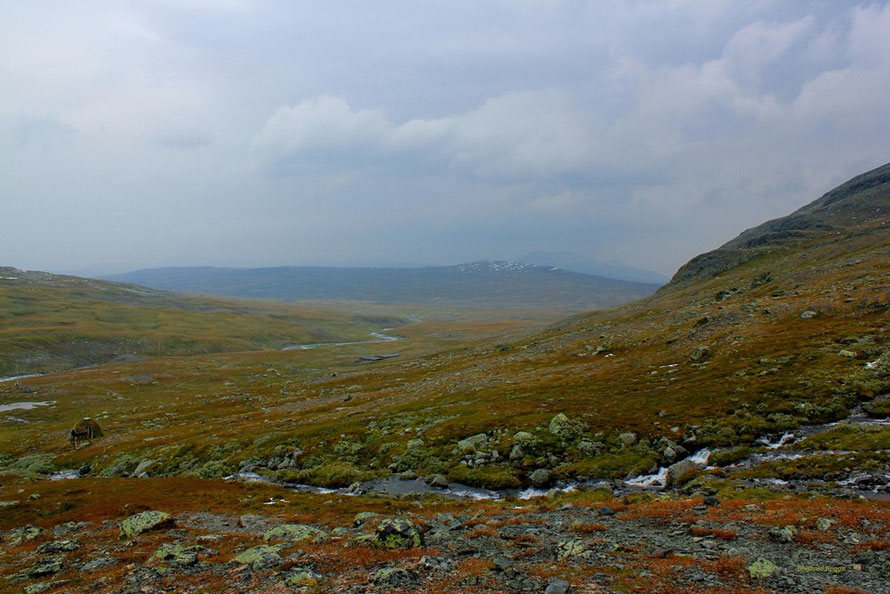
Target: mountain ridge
{"x": 484, "y": 282}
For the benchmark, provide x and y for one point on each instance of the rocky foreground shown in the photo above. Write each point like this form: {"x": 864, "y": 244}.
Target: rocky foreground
{"x": 187, "y": 535}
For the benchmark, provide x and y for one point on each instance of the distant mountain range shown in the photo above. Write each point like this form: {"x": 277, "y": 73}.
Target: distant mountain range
{"x": 579, "y": 263}
{"x": 488, "y": 283}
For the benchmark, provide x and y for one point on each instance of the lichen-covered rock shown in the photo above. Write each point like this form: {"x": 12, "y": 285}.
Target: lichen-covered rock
{"x": 564, "y": 427}
{"x": 47, "y": 566}
{"x": 363, "y": 517}
{"x": 393, "y": 577}
{"x": 762, "y": 568}
{"x": 540, "y": 477}
{"x": 59, "y": 546}
{"x": 301, "y": 577}
{"x": 523, "y": 437}
{"x": 398, "y": 533}
{"x": 570, "y": 548}
{"x": 143, "y": 522}
{"x": 98, "y": 563}
{"x": 176, "y": 554}
{"x": 699, "y": 353}
{"x": 295, "y": 533}
{"x": 258, "y": 557}
{"x": 786, "y": 534}
{"x": 628, "y": 438}
{"x": 680, "y": 473}
{"x": 823, "y": 524}
{"x": 25, "y": 533}
{"x": 472, "y": 442}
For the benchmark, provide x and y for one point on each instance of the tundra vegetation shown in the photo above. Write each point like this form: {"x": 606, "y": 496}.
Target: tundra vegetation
{"x": 752, "y": 387}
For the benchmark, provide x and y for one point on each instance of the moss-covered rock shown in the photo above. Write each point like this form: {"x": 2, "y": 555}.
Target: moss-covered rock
{"x": 143, "y": 522}
{"x": 295, "y": 533}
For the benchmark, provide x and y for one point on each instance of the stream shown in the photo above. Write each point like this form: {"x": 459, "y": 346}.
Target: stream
{"x": 775, "y": 446}
{"x": 378, "y": 337}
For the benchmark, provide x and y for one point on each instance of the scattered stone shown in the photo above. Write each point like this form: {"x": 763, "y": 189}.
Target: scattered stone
{"x": 398, "y": 533}
{"x": 711, "y": 501}
{"x": 808, "y": 315}
{"x": 540, "y": 477}
{"x": 606, "y": 511}
{"x": 848, "y": 354}
{"x": 143, "y": 522}
{"x": 258, "y": 557}
{"x": 295, "y": 533}
{"x": 25, "y": 533}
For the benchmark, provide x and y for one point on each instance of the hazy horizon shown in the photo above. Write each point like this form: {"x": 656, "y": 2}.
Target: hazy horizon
{"x": 252, "y": 134}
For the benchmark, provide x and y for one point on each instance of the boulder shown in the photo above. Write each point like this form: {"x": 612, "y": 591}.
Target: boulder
{"x": 762, "y": 568}
{"x": 176, "y": 554}
{"x": 563, "y": 427}
{"x": 59, "y": 546}
{"x": 558, "y": 586}
{"x": 363, "y": 517}
{"x": 628, "y": 438}
{"x": 23, "y": 534}
{"x": 540, "y": 477}
{"x": 398, "y": 533}
{"x": 47, "y": 566}
{"x": 258, "y": 557}
{"x": 681, "y": 472}
{"x": 786, "y": 534}
{"x": 143, "y": 522}
{"x": 301, "y": 577}
{"x": 472, "y": 442}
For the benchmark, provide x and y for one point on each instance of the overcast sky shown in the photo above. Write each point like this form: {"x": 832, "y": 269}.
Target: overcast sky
{"x": 257, "y": 133}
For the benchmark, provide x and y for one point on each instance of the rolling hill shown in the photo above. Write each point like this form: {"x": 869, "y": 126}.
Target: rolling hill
{"x": 477, "y": 284}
